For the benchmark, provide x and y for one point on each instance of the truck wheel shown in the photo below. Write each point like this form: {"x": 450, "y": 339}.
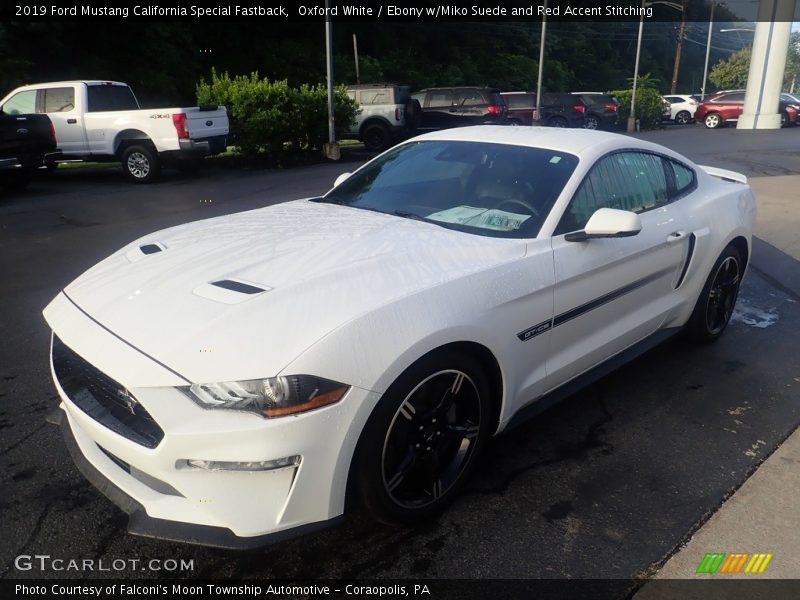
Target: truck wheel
{"x": 140, "y": 164}
{"x": 376, "y": 137}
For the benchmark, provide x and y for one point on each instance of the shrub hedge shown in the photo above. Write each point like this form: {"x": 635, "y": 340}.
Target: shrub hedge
{"x": 649, "y": 105}
{"x": 273, "y": 117}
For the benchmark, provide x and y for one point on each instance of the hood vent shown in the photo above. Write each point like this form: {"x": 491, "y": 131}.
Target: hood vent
{"x": 230, "y": 291}
{"x": 150, "y": 249}
{"x": 238, "y": 286}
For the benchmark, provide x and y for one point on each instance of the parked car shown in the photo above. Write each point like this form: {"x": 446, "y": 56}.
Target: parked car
{"x": 602, "y": 110}
{"x": 26, "y": 140}
{"x": 791, "y": 100}
{"x": 558, "y": 110}
{"x": 726, "y": 107}
{"x": 443, "y": 108}
{"x": 388, "y": 114}
{"x": 363, "y": 346}
{"x": 102, "y": 121}
{"x": 681, "y": 108}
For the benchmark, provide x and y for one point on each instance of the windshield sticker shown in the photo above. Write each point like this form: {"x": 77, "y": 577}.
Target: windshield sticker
{"x": 555, "y": 160}
{"x": 484, "y": 218}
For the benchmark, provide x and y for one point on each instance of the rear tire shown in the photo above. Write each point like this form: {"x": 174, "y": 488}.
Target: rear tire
{"x": 714, "y": 307}
{"x": 376, "y": 137}
{"x": 422, "y": 440}
{"x": 592, "y": 122}
{"x": 683, "y": 118}
{"x": 141, "y": 164}
{"x": 558, "y": 122}
{"x": 713, "y": 121}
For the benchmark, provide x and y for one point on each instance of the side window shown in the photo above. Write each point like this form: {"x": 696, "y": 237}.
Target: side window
{"x": 470, "y": 98}
{"x": 375, "y": 97}
{"x": 21, "y": 103}
{"x": 632, "y": 181}
{"x": 59, "y": 99}
{"x": 684, "y": 178}
{"x": 440, "y": 99}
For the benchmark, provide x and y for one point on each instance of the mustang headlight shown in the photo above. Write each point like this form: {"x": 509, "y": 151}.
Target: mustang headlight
{"x": 272, "y": 397}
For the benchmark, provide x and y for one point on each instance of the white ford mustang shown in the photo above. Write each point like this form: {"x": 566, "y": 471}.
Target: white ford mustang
{"x": 237, "y": 380}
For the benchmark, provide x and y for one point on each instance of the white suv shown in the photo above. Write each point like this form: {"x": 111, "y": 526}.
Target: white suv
{"x": 681, "y": 108}
{"x": 387, "y": 114}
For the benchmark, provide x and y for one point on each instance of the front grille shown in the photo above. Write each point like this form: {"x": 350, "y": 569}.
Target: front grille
{"x": 102, "y": 398}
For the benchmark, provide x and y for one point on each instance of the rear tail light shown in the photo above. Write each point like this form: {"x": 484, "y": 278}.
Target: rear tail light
{"x": 611, "y": 106}
{"x": 494, "y": 109}
{"x": 179, "y": 120}
{"x": 579, "y": 108}
{"x": 397, "y": 114}
{"x": 693, "y": 102}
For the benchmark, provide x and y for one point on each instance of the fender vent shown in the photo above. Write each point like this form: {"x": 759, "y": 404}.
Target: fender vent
{"x": 238, "y": 286}
{"x": 150, "y": 249}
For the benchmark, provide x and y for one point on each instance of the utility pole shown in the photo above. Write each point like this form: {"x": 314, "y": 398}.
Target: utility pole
{"x": 355, "y": 53}
{"x": 331, "y": 148}
{"x": 708, "y": 50}
{"x": 678, "y": 50}
{"x": 537, "y": 114}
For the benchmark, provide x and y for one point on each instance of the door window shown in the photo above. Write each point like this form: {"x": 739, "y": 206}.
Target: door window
{"x": 59, "y": 99}
{"x": 21, "y": 103}
{"x": 633, "y": 181}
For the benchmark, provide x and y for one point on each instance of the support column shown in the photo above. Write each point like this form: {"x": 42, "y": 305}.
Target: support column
{"x": 767, "y": 64}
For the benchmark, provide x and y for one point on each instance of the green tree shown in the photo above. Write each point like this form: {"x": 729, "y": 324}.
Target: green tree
{"x": 731, "y": 73}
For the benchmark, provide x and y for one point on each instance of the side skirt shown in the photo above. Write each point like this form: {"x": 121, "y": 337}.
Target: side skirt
{"x": 585, "y": 379}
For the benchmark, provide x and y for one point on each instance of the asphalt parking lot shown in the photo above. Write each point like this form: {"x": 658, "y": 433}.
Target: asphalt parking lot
{"x": 605, "y": 485}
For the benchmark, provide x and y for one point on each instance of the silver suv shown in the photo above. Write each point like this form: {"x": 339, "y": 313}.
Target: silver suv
{"x": 388, "y": 113}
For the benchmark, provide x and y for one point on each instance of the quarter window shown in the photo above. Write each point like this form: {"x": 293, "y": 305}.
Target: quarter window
{"x": 440, "y": 99}
{"x": 684, "y": 178}
{"x": 633, "y": 181}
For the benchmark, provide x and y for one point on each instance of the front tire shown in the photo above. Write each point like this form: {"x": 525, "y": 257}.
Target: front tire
{"x": 714, "y": 307}
{"x": 140, "y": 164}
{"x": 422, "y": 440}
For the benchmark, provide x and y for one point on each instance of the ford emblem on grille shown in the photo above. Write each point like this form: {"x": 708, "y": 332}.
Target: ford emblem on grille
{"x": 209, "y": 123}
{"x": 129, "y": 400}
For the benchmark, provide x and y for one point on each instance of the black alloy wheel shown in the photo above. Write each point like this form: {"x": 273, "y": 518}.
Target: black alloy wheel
{"x": 421, "y": 441}
{"x": 714, "y": 307}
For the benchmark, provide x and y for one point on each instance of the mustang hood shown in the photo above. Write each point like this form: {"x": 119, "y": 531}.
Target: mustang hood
{"x": 240, "y": 296}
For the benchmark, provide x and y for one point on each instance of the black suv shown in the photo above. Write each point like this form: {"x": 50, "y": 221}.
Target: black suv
{"x": 602, "y": 110}
{"x": 558, "y": 110}
{"x": 457, "y": 106}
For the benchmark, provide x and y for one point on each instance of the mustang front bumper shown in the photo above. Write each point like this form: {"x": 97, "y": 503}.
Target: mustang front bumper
{"x": 165, "y": 497}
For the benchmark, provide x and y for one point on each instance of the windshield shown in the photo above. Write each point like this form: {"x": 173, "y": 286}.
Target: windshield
{"x": 491, "y": 189}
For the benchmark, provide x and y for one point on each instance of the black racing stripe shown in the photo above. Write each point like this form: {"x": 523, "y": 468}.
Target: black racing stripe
{"x": 689, "y": 254}
{"x": 127, "y": 343}
{"x": 606, "y": 298}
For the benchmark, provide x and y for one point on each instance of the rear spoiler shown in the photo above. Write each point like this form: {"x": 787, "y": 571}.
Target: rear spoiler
{"x": 724, "y": 174}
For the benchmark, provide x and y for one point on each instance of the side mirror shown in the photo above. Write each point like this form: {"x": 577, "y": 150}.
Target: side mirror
{"x": 608, "y": 223}
{"x": 341, "y": 178}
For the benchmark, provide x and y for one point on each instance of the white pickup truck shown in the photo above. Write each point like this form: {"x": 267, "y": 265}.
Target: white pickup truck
{"x": 102, "y": 121}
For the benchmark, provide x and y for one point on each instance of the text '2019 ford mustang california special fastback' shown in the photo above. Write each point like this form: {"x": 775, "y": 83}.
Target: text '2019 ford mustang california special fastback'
{"x": 232, "y": 381}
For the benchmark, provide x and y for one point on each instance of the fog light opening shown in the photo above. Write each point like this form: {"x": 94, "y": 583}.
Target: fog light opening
{"x": 251, "y": 466}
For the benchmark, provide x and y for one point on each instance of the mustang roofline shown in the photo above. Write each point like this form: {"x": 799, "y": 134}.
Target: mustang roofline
{"x": 574, "y": 141}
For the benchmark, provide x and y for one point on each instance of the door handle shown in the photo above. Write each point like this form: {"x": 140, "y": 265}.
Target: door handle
{"x": 72, "y": 121}
{"x": 676, "y": 236}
